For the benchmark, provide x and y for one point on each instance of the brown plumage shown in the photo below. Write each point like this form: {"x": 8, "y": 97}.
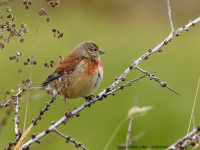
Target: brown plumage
{"x": 79, "y": 74}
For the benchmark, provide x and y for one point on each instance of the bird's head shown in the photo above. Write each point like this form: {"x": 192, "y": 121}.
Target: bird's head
{"x": 87, "y": 49}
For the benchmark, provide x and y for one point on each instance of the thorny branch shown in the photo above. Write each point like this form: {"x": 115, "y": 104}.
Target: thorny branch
{"x": 112, "y": 89}
{"x": 189, "y": 139}
{"x": 68, "y": 138}
{"x": 17, "y": 116}
{"x": 14, "y": 97}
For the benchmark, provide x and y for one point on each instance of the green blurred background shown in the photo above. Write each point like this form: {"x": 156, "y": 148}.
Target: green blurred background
{"x": 125, "y": 29}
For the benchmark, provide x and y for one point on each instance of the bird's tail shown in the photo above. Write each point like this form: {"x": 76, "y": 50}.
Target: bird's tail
{"x": 36, "y": 88}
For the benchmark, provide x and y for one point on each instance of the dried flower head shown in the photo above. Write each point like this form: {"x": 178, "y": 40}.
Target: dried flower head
{"x": 42, "y": 12}
{"x": 135, "y": 111}
{"x": 26, "y": 30}
{"x": 48, "y": 19}
{"x": 22, "y": 40}
{"x": 26, "y": 7}
{"x": 8, "y": 9}
{"x": 23, "y": 25}
{"x": 19, "y": 53}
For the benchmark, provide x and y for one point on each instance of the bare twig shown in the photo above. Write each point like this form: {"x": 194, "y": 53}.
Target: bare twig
{"x": 16, "y": 117}
{"x": 170, "y": 17}
{"x": 133, "y": 140}
{"x": 151, "y": 76}
{"x": 193, "y": 120}
{"x": 193, "y": 105}
{"x": 130, "y": 126}
{"x": 182, "y": 143}
{"x": 14, "y": 97}
{"x": 68, "y": 138}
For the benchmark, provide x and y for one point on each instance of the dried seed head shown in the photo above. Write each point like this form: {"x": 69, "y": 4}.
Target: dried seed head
{"x": 1, "y": 16}
{"x": 19, "y": 53}
{"x": 48, "y": 19}
{"x": 26, "y": 30}
{"x": 8, "y": 22}
{"x": 25, "y": 2}
{"x": 17, "y": 59}
{"x": 51, "y": 65}
{"x": 26, "y": 63}
{"x": 46, "y": 65}
{"x": 53, "y": 30}
{"x": 13, "y": 25}
{"x": 8, "y": 9}
{"x": 27, "y": 7}
{"x": 23, "y": 25}
{"x": 2, "y": 46}
{"x": 30, "y": 3}
{"x": 28, "y": 59}
{"x": 61, "y": 35}
{"x": 22, "y": 40}
{"x": 42, "y": 12}
{"x": 60, "y": 57}
{"x": 13, "y": 19}
{"x": 11, "y": 58}
{"x": 54, "y": 34}
{"x": 9, "y": 29}
{"x": 57, "y": 3}
{"x": 34, "y": 62}
{"x": 52, "y": 62}
{"x": 28, "y": 80}
{"x": 20, "y": 71}
{"x": 58, "y": 31}
{"x": 52, "y": 4}
{"x": 10, "y": 16}
{"x": 6, "y": 41}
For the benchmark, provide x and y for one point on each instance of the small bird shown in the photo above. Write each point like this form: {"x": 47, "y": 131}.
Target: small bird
{"x": 78, "y": 75}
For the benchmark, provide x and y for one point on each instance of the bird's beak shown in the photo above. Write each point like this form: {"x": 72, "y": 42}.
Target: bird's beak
{"x": 101, "y": 52}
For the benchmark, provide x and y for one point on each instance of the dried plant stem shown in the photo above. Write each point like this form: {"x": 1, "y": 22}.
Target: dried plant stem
{"x": 130, "y": 126}
{"x": 23, "y": 137}
{"x": 193, "y": 105}
{"x": 114, "y": 133}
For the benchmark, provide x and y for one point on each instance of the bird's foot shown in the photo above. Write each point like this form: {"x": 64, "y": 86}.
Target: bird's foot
{"x": 89, "y": 98}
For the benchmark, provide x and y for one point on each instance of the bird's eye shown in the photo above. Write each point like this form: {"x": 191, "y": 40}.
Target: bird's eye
{"x": 95, "y": 49}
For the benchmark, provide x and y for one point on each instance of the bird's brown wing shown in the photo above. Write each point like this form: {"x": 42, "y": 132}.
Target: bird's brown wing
{"x": 67, "y": 65}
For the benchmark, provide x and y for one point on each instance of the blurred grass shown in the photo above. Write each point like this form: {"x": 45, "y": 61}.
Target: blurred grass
{"x": 125, "y": 30}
